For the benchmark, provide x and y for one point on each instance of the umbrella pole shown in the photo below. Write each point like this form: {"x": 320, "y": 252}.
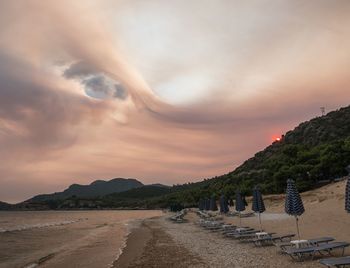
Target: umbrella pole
{"x": 297, "y": 220}
{"x": 240, "y": 220}
{"x": 260, "y": 222}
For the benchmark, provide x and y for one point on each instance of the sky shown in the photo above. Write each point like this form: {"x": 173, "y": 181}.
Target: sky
{"x": 162, "y": 91}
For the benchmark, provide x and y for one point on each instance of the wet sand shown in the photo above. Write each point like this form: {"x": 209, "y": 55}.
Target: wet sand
{"x": 150, "y": 245}
{"x": 92, "y": 239}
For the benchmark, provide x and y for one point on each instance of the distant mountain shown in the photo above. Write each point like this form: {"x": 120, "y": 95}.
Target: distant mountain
{"x": 160, "y": 185}
{"x": 97, "y": 188}
{"x": 143, "y": 197}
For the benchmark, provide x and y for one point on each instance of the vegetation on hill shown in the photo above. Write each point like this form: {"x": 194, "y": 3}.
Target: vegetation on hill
{"x": 314, "y": 151}
{"x": 4, "y": 206}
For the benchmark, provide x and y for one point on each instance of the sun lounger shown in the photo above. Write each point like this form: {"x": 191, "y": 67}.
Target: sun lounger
{"x": 321, "y": 240}
{"x": 241, "y": 233}
{"x": 225, "y": 228}
{"x": 282, "y": 246}
{"x": 249, "y": 238}
{"x": 299, "y": 253}
{"x": 336, "y": 262}
{"x": 233, "y": 229}
{"x": 270, "y": 239}
{"x": 178, "y": 217}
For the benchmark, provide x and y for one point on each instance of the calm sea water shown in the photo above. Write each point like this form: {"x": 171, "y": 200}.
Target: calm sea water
{"x": 65, "y": 238}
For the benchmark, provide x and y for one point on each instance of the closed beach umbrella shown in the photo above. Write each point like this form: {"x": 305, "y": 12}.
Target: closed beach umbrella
{"x": 347, "y": 196}
{"x": 240, "y": 205}
{"x": 207, "y": 204}
{"x": 223, "y": 204}
{"x": 200, "y": 204}
{"x": 258, "y": 205}
{"x": 213, "y": 206}
{"x": 294, "y": 205}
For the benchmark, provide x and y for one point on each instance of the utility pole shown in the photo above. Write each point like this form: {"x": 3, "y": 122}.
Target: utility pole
{"x": 323, "y": 110}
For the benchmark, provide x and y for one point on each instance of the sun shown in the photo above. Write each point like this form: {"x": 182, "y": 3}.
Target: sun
{"x": 276, "y": 138}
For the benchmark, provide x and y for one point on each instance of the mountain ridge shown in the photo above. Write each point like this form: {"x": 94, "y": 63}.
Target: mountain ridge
{"x": 94, "y": 189}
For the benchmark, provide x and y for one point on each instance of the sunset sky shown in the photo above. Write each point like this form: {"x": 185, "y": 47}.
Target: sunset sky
{"x": 161, "y": 91}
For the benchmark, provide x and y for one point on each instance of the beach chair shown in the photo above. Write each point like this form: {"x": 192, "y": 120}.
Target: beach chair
{"x": 300, "y": 253}
{"x": 224, "y": 227}
{"x": 238, "y": 234}
{"x": 271, "y": 239}
{"x": 248, "y": 238}
{"x": 239, "y": 230}
{"x": 282, "y": 245}
{"x": 233, "y": 229}
{"x": 336, "y": 262}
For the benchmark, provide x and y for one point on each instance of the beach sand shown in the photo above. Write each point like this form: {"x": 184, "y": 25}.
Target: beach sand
{"x": 151, "y": 245}
{"x": 158, "y": 242}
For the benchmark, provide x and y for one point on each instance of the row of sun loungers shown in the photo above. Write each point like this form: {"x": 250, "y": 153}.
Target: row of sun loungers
{"x": 318, "y": 246}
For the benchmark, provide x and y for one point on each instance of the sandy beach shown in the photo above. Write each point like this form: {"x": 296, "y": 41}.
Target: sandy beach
{"x": 157, "y": 242}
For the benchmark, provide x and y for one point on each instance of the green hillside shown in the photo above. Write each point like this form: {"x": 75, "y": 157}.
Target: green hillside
{"x": 315, "y": 151}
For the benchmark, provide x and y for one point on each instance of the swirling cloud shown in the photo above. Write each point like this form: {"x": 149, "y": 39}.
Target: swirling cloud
{"x": 154, "y": 90}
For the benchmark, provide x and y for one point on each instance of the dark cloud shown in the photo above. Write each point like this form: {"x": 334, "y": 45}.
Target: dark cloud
{"x": 79, "y": 70}
{"x": 101, "y": 87}
{"x": 96, "y": 84}
{"x": 34, "y": 113}
{"x": 120, "y": 92}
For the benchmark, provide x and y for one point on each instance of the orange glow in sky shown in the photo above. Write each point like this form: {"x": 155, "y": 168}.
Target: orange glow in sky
{"x": 276, "y": 138}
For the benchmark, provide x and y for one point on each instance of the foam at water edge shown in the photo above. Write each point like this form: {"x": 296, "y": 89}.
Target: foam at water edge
{"x": 32, "y": 265}
{"x": 39, "y": 225}
{"x": 131, "y": 224}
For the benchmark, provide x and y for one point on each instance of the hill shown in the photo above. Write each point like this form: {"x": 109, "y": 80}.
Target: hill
{"x": 314, "y": 153}
{"x": 97, "y": 188}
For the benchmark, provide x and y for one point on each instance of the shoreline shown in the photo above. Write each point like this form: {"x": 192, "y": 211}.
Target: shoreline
{"x": 96, "y": 241}
{"x": 134, "y": 243}
{"x": 150, "y": 245}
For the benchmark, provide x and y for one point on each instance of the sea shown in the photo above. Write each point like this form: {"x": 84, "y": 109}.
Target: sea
{"x": 66, "y": 239}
